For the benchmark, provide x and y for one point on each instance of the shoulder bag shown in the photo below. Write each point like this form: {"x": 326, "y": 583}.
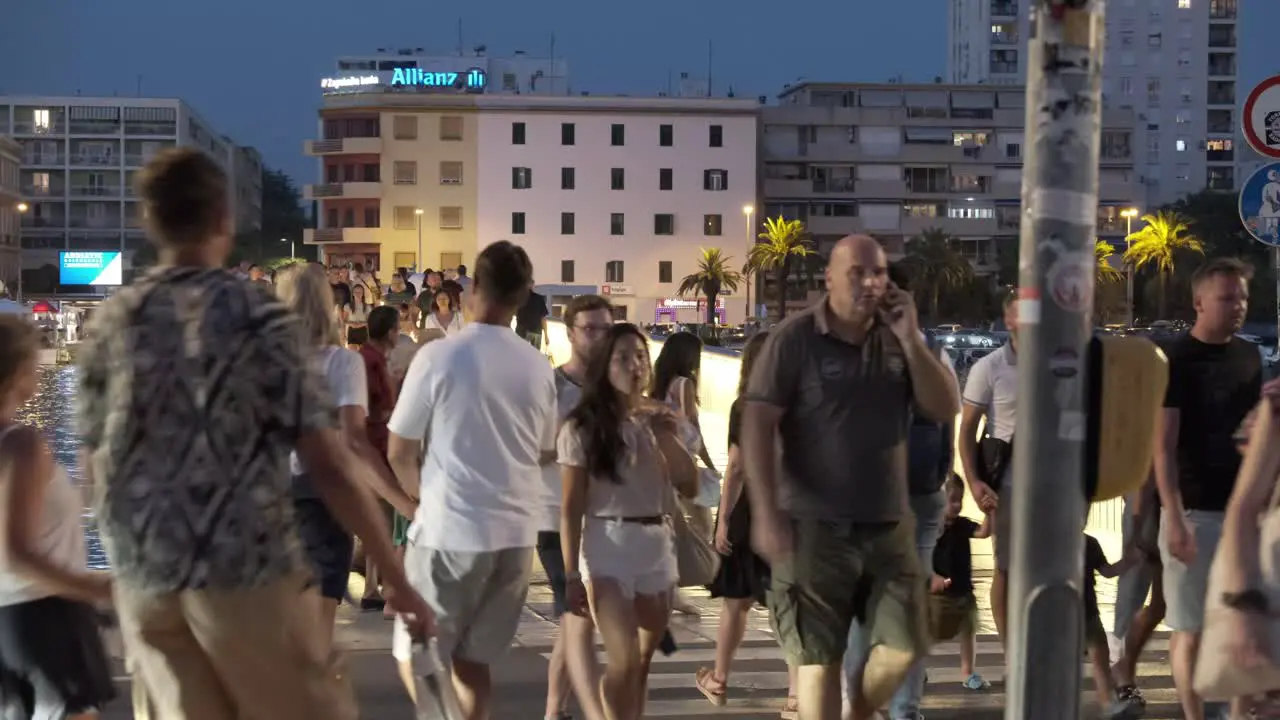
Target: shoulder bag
{"x": 697, "y": 562}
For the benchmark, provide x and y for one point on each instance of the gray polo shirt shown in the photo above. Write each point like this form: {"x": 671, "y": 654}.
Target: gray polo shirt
{"x": 845, "y": 415}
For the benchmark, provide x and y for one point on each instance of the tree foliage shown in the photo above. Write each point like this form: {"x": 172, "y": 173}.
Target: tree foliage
{"x": 712, "y": 279}
{"x": 935, "y": 268}
{"x": 780, "y": 244}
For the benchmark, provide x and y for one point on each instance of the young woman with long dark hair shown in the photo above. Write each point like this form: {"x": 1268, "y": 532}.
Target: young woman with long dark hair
{"x": 620, "y": 461}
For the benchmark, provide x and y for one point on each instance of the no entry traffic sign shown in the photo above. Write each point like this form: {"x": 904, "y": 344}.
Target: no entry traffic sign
{"x": 1261, "y": 117}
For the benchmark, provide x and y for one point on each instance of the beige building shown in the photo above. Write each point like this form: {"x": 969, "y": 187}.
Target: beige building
{"x": 11, "y": 206}
{"x": 896, "y": 160}
{"x": 394, "y": 190}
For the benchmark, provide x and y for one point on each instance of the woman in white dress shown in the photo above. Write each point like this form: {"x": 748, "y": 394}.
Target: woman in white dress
{"x": 445, "y": 314}
{"x": 357, "y": 315}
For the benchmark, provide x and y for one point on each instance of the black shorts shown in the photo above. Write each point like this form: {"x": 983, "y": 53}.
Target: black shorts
{"x": 329, "y": 547}
{"x": 358, "y": 335}
{"x": 552, "y": 560}
{"x": 52, "y": 659}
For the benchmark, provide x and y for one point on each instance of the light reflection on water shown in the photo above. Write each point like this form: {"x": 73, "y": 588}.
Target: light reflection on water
{"x": 53, "y": 411}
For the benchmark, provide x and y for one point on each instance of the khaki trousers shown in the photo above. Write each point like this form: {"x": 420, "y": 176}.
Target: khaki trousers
{"x": 232, "y": 654}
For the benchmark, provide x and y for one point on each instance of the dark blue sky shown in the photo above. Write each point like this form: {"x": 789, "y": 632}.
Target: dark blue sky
{"x": 252, "y": 67}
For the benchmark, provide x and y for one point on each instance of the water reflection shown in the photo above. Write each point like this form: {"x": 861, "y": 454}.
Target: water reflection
{"x": 53, "y": 411}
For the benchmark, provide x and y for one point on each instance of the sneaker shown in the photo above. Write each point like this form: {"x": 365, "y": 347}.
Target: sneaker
{"x": 1130, "y": 694}
{"x": 1120, "y": 710}
{"x": 976, "y": 683}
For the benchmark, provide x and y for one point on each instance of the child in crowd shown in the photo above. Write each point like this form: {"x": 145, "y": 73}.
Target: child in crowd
{"x": 1096, "y": 563}
{"x": 953, "y": 609}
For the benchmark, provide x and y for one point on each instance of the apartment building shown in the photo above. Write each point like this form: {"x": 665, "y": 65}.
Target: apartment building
{"x": 78, "y": 159}
{"x": 609, "y": 195}
{"x": 896, "y": 160}
{"x": 1174, "y": 62}
{"x": 416, "y": 70}
{"x": 12, "y": 205}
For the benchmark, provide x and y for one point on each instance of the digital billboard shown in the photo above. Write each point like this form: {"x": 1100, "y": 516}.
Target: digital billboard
{"x": 90, "y": 268}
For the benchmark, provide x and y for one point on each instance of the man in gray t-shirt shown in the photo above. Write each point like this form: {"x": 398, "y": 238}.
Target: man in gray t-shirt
{"x": 832, "y": 390}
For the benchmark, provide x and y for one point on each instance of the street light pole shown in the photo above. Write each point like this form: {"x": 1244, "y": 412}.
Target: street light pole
{"x": 417, "y": 212}
{"x": 1129, "y": 214}
{"x": 22, "y": 210}
{"x": 1055, "y": 302}
{"x": 749, "y": 211}
{"x": 292, "y": 253}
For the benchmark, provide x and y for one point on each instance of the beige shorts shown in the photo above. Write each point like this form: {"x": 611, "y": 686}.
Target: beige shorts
{"x": 232, "y": 654}
{"x": 477, "y": 598}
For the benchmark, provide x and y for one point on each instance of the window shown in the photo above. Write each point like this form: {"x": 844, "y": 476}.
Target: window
{"x": 372, "y": 217}
{"x": 617, "y": 179}
{"x": 664, "y": 271}
{"x": 1180, "y": 145}
{"x": 1183, "y": 117}
{"x": 666, "y": 135}
{"x": 716, "y": 136}
{"x": 1126, "y": 86}
{"x": 450, "y": 172}
{"x": 1154, "y": 39}
{"x": 521, "y": 178}
{"x": 567, "y": 134}
{"x": 348, "y": 215}
{"x": 405, "y": 172}
{"x": 517, "y": 223}
{"x": 370, "y": 172}
{"x": 715, "y": 180}
{"x": 970, "y": 212}
{"x": 332, "y": 174}
{"x": 1153, "y": 92}
{"x": 450, "y": 127}
{"x": 566, "y": 179}
{"x": 566, "y": 223}
{"x": 617, "y": 224}
{"x": 41, "y": 120}
{"x": 331, "y": 217}
{"x": 517, "y": 133}
{"x": 566, "y": 271}
{"x": 405, "y": 218}
{"x": 404, "y": 127}
{"x": 1184, "y": 4}
{"x": 664, "y": 224}
{"x": 711, "y": 225}
{"x": 451, "y": 218}
{"x": 618, "y": 135}
{"x": 613, "y": 272}
{"x": 665, "y": 179}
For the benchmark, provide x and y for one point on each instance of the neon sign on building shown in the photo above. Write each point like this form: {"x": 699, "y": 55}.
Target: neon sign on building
{"x": 473, "y": 79}
{"x": 342, "y": 83}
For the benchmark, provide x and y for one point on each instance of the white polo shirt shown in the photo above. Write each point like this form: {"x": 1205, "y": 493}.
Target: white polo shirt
{"x": 485, "y": 402}
{"x": 993, "y": 386}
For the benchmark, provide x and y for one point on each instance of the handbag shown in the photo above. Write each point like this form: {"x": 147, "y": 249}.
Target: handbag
{"x": 697, "y": 562}
{"x": 1217, "y": 676}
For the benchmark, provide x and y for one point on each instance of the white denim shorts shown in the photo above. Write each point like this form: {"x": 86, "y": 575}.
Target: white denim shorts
{"x": 640, "y": 558}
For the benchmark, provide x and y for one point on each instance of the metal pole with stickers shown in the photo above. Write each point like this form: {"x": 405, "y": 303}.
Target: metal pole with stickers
{"x": 1055, "y": 303}
{"x": 1260, "y": 194}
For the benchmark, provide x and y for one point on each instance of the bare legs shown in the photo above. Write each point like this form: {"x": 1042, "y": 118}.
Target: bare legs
{"x": 557, "y": 678}
{"x": 632, "y": 628}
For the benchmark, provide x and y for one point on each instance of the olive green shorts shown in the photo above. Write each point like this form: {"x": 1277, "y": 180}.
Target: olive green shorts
{"x": 952, "y": 616}
{"x": 841, "y": 571}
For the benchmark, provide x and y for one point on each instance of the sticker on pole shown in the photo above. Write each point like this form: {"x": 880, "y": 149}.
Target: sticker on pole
{"x": 1069, "y": 279}
{"x": 1260, "y": 205}
{"x": 1261, "y": 118}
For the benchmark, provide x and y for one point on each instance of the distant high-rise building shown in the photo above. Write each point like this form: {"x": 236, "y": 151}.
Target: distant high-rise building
{"x": 1173, "y": 61}
{"x": 78, "y": 158}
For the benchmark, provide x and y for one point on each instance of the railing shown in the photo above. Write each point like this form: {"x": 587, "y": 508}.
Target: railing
{"x": 327, "y": 235}
{"x": 95, "y": 191}
{"x": 1222, "y": 98}
{"x": 1222, "y": 9}
{"x": 1004, "y": 8}
{"x": 321, "y": 147}
{"x": 834, "y": 185}
{"x": 326, "y": 190}
{"x": 43, "y": 159}
{"x": 92, "y": 127}
{"x": 136, "y": 160}
{"x": 42, "y": 190}
{"x": 150, "y": 128}
{"x": 28, "y": 127}
{"x": 96, "y": 160}
{"x": 30, "y": 221}
{"x": 105, "y": 223}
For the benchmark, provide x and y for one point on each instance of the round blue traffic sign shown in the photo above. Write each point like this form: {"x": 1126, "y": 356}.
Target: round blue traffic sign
{"x": 1260, "y": 205}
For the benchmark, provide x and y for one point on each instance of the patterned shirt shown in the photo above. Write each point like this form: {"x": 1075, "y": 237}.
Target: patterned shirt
{"x": 194, "y": 388}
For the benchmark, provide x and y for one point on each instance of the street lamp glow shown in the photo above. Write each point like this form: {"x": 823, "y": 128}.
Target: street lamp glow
{"x": 23, "y": 207}
{"x": 748, "y": 209}
{"x": 1129, "y": 213}
{"x": 417, "y": 211}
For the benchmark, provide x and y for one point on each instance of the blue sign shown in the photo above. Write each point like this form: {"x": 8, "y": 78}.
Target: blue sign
{"x": 90, "y": 268}
{"x": 1260, "y": 204}
{"x": 474, "y": 79}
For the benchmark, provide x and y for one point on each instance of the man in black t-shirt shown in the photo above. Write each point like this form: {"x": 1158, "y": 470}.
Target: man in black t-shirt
{"x": 1215, "y": 379}
{"x": 531, "y": 320}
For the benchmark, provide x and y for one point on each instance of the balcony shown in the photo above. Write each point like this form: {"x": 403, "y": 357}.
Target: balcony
{"x": 29, "y": 190}
{"x": 97, "y": 222}
{"x": 94, "y": 127}
{"x": 92, "y": 191}
{"x": 326, "y": 236}
{"x": 1222, "y": 64}
{"x": 29, "y": 127}
{"x": 1222, "y": 9}
{"x": 1222, "y": 36}
{"x": 1221, "y": 93}
{"x": 44, "y": 159}
{"x": 344, "y": 146}
{"x": 150, "y": 128}
{"x": 365, "y": 190}
{"x": 95, "y": 160}
{"x": 31, "y": 221}
{"x": 834, "y": 185}
{"x": 1004, "y": 9}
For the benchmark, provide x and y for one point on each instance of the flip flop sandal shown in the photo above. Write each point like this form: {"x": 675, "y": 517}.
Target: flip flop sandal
{"x": 790, "y": 709}
{"x": 703, "y": 679}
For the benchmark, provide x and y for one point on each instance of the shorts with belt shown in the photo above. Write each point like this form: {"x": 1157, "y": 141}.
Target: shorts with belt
{"x": 639, "y": 556}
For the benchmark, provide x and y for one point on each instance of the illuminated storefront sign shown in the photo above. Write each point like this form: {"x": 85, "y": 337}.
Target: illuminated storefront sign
{"x": 672, "y": 310}
{"x": 343, "y": 83}
{"x": 473, "y": 79}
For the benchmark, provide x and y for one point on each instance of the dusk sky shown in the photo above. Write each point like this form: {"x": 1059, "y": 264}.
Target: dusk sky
{"x": 252, "y": 67}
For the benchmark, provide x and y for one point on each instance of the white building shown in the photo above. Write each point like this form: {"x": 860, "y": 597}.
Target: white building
{"x": 617, "y": 195}
{"x": 1173, "y": 61}
{"x": 79, "y": 156}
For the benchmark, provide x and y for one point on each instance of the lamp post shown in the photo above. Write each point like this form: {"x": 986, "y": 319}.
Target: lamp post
{"x": 292, "y": 253}
{"x": 22, "y": 209}
{"x": 417, "y": 213}
{"x": 749, "y": 211}
{"x": 1129, "y": 214}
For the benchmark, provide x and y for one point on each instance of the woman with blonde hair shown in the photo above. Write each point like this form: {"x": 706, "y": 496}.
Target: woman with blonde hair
{"x": 305, "y": 289}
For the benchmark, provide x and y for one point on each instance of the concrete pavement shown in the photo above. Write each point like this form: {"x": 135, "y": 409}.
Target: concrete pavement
{"x": 758, "y": 685}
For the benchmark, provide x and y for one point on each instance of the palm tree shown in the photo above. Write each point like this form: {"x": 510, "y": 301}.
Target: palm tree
{"x": 711, "y": 279}
{"x": 1105, "y": 272}
{"x": 935, "y": 266}
{"x": 782, "y": 240}
{"x": 1162, "y": 237}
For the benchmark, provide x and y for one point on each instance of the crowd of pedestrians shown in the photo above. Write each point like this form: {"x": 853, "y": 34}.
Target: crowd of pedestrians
{"x": 239, "y": 434}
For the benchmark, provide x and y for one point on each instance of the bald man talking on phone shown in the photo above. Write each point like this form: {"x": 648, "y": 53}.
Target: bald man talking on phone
{"x": 846, "y": 374}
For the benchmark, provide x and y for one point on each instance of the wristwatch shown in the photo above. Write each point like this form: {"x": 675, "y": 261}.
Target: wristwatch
{"x": 1251, "y": 600}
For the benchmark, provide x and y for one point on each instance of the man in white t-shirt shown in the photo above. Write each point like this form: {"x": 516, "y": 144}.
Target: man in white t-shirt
{"x": 484, "y": 401}
{"x": 992, "y": 391}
